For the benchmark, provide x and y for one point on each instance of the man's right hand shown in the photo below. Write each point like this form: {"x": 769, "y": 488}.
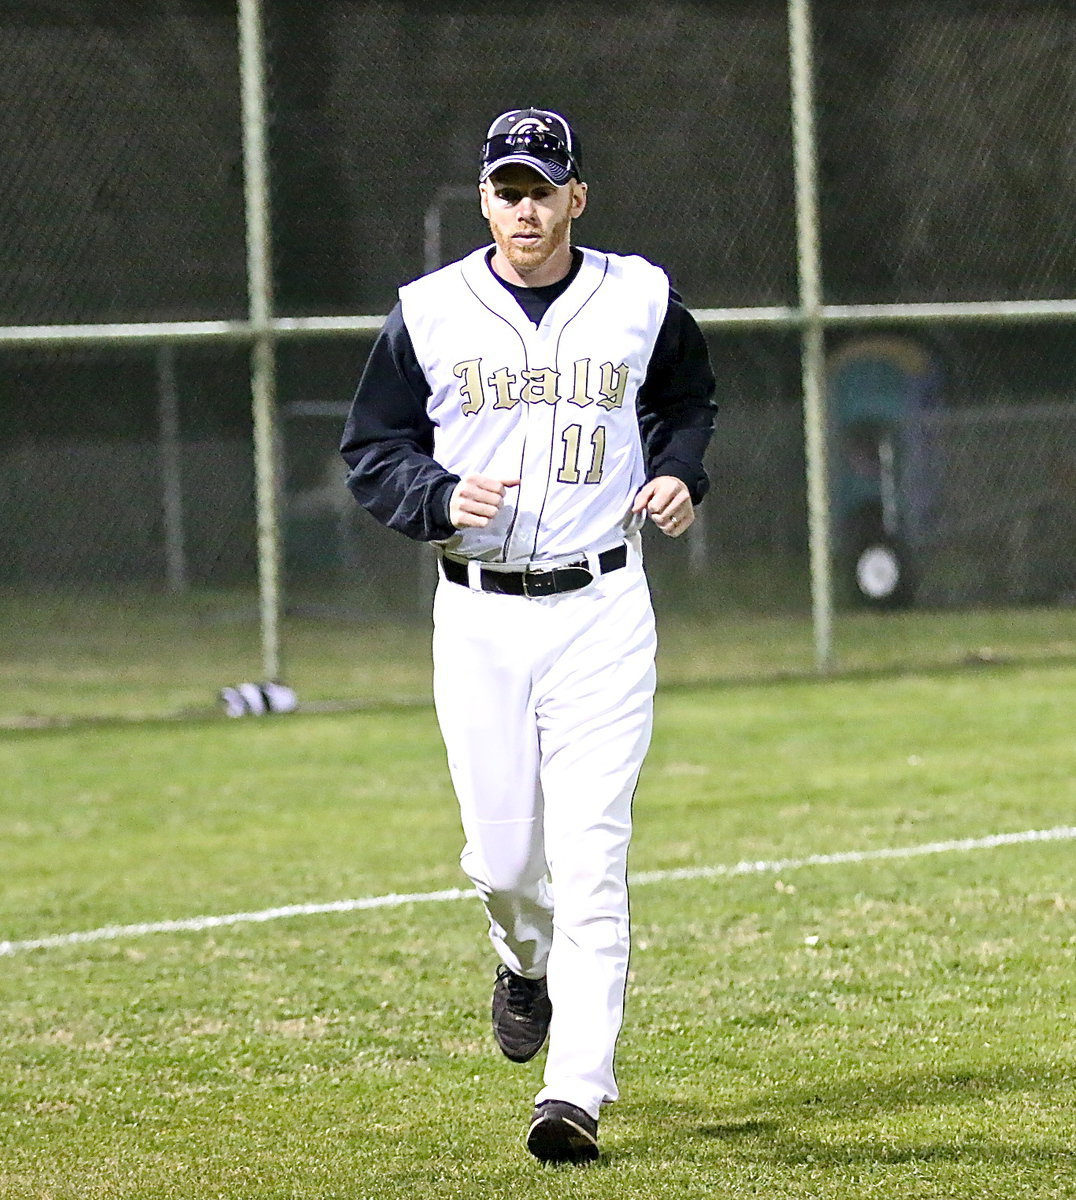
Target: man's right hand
{"x": 476, "y": 500}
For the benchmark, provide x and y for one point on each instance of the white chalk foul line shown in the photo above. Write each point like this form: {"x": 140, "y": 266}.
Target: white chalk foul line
{"x": 111, "y": 933}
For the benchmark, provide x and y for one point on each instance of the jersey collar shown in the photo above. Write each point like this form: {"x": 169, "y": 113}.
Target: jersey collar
{"x": 481, "y": 281}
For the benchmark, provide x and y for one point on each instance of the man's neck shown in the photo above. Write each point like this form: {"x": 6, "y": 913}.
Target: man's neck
{"x": 553, "y": 270}
{"x": 535, "y": 301}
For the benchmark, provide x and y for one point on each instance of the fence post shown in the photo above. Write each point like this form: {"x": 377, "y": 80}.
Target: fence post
{"x": 813, "y": 366}
{"x": 263, "y": 350}
{"x": 170, "y": 448}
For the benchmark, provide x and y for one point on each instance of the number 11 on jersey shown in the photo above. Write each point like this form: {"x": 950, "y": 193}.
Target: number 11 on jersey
{"x": 570, "y": 466}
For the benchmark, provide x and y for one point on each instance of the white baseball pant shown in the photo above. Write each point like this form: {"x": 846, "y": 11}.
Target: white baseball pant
{"x": 545, "y": 707}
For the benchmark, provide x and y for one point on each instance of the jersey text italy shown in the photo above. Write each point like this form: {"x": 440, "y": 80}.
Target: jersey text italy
{"x": 552, "y": 405}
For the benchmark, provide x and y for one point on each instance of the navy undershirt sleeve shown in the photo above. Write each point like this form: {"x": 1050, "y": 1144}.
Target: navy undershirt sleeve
{"x": 388, "y": 441}
{"x": 676, "y": 402}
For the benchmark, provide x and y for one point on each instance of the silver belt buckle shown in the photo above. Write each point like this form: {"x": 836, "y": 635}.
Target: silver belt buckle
{"x": 539, "y": 582}
{"x": 551, "y": 581}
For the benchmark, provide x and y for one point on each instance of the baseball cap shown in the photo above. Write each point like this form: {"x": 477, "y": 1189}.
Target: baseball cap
{"x": 536, "y": 138}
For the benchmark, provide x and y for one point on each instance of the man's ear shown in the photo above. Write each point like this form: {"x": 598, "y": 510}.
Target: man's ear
{"x": 483, "y": 200}
{"x": 579, "y": 198}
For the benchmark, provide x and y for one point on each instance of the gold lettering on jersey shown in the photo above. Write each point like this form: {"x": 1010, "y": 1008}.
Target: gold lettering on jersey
{"x": 569, "y": 468}
{"x": 597, "y": 459}
{"x": 540, "y": 386}
{"x": 572, "y": 437}
{"x": 501, "y": 381}
{"x": 613, "y": 384}
{"x": 580, "y": 376}
{"x": 471, "y": 387}
{"x": 505, "y": 389}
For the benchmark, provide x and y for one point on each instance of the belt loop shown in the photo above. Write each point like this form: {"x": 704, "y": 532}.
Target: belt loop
{"x": 474, "y": 574}
{"x": 593, "y": 563}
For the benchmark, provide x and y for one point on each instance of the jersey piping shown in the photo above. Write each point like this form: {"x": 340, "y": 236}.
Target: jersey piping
{"x": 553, "y": 430}
{"x": 526, "y": 358}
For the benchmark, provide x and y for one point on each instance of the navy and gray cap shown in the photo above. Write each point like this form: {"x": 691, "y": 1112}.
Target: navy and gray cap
{"x": 536, "y": 138}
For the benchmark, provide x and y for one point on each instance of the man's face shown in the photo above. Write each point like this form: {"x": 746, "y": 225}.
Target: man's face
{"x": 529, "y": 217}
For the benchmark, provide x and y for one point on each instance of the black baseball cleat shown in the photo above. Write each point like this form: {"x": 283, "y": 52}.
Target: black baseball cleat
{"x": 521, "y": 1014}
{"x": 561, "y": 1133}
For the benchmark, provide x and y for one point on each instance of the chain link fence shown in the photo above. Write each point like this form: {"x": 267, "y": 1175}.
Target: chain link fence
{"x": 947, "y": 173}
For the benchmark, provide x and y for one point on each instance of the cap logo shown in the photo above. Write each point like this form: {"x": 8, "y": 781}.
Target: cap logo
{"x": 529, "y": 125}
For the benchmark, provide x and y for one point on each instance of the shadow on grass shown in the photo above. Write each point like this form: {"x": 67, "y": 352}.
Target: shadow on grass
{"x": 983, "y": 1153}
{"x": 775, "y": 1132}
{"x": 864, "y": 1096}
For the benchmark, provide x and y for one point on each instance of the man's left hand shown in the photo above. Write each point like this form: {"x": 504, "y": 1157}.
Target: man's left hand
{"x": 667, "y": 502}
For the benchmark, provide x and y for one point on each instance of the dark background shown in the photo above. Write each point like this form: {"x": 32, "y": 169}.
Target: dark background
{"x": 947, "y": 146}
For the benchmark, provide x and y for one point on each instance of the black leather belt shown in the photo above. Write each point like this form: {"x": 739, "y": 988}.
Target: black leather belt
{"x": 542, "y": 581}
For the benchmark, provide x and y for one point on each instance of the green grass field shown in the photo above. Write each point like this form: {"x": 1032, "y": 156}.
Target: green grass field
{"x": 134, "y": 655}
{"x": 875, "y": 1027}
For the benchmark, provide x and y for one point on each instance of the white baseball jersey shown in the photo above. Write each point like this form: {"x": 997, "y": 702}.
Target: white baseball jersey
{"x": 552, "y": 405}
